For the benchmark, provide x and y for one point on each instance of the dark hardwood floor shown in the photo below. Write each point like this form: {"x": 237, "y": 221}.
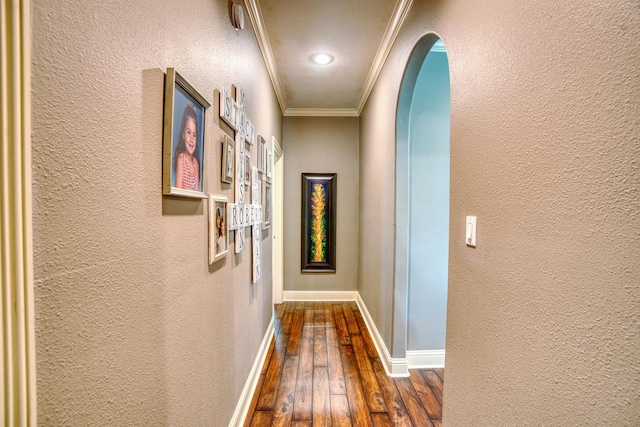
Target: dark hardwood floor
{"x": 323, "y": 370}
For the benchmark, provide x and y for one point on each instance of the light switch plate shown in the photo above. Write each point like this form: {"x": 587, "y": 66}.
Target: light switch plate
{"x": 470, "y": 235}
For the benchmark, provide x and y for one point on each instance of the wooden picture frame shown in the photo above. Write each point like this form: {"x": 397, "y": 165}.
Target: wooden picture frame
{"x": 183, "y": 163}
{"x": 318, "y": 248}
{"x": 218, "y": 233}
{"x": 228, "y": 159}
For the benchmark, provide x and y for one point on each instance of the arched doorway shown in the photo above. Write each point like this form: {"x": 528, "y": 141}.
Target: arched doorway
{"x": 422, "y": 202}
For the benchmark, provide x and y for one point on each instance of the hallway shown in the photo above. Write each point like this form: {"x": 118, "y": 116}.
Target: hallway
{"x": 323, "y": 369}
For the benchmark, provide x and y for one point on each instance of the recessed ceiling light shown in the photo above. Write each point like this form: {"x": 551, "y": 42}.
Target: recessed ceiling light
{"x": 321, "y": 58}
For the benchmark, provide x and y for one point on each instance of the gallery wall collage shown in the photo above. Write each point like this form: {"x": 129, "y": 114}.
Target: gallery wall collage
{"x": 184, "y": 169}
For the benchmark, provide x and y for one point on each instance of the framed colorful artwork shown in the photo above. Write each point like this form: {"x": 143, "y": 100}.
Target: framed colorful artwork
{"x": 319, "y": 222}
{"x": 183, "y": 163}
{"x": 218, "y": 234}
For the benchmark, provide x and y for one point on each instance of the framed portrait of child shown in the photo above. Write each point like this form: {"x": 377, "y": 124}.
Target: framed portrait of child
{"x": 183, "y": 171}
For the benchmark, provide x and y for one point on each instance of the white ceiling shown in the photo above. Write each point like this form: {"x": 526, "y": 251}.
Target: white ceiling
{"x": 358, "y": 33}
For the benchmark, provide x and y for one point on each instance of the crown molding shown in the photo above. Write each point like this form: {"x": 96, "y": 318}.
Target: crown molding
{"x": 391, "y": 33}
{"x": 321, "y": 112}
{"x": 400, "y": 13}
{"x": 255, "y": 15}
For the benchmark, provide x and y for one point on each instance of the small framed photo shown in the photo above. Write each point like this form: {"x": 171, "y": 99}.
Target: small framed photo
{"x": 266, "y": 206}
{"x": 247, "y": 169}
{"x": 183, "y": 163}
{"x": 218, "y": 235}
{"x": 228, "y": 159}
{"x": 269, "y": 165}
{"x": 262, "y": 154}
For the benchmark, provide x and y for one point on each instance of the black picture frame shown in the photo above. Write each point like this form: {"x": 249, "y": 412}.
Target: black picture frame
{"x": 318, "y": 246}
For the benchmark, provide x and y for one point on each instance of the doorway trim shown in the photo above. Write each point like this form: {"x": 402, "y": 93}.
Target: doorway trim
{"x": 17, "y": 318}
{"x": 277, "y": 266}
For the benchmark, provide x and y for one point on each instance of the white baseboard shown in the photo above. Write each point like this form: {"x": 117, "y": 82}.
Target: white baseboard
{"x": 425, "y": 359}
{"x": 320, "y": 295}
{"x": 249, "y": 389}
{"x": 395, "y": 367}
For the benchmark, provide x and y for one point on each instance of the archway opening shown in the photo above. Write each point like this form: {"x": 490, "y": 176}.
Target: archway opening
{"x": 422, "y": 204}
{"x": 429, "y": 207}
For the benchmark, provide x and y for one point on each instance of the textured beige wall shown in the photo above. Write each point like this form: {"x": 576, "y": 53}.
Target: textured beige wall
{"x": 133, "y": 326}
{"x": 322, "y": 145}
{"x": 544, "y": 315}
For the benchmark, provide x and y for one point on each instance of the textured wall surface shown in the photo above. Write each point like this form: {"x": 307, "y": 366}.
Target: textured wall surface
{"x": 133, "y": 326}
{"x": 322, "y": 145}
{"x": 543, "y": 316}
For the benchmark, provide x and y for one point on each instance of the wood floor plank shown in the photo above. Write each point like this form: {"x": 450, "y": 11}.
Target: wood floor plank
{"x": 304, "y": 382}
{"x": 267, "y": 360}
{"x": 254, "y": 401}
{"x": 435, "y": 382}
{"x": 329, "y": 321}
{"x": 429, "y": 401}
{"x": 293, "y": 346}
{"x": 412, "y": 402}
{"x": 262, "y": 418}
{"x": 372, "y": 392}
{"x": 287, "y": 318}
{"x": 334, "y": 362}
{"x": 267, "y": 399}
{"x": 440, "y": 372}
{"x": 283, "y": 411}
{"x": 318, "y": 313}
{"x": 381, "y": 420}
{"x": 352, "y": 305}
{"x": 340, "y": 415}
{"x": 397, "y": 411}
{"x": 366, "y": 336}
{"x": 437, "y": 423}
{"x": 357, "y": 402}
{"x": 308, "y": 316}
{"x": 341, "y": 325}
{"x": 279, "y": 309}
{"x": 301, "y": 424}
{"x": 321, "y": 397}
{"x": 352, "y": 325}
{"x": 319, "y": 346}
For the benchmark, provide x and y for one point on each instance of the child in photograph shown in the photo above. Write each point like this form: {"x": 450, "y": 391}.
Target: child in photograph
{"x": 187, "y": 161}
{"x": 220, "y": 231}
